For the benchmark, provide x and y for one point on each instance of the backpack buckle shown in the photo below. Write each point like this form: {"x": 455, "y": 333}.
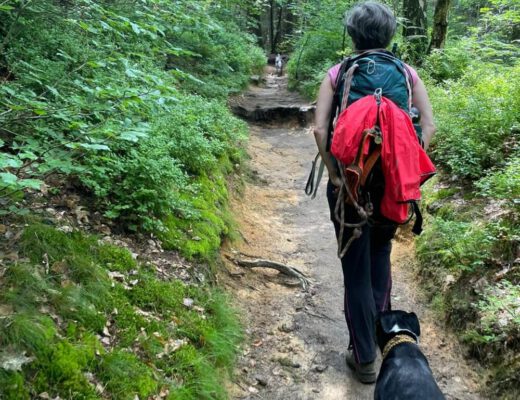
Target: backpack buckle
{"x": 378, "y": 93}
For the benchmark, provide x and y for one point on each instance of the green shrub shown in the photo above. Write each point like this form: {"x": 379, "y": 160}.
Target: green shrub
{"x": 106, "y": 97}
{"x": 502, "y": 183}
{"x": 476, "y": 116}
{"x": 449, "y": 63}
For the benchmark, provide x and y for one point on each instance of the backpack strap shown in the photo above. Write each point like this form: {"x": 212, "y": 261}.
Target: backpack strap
{"x": 417, "y": 226}
{"x": 334, "y": 110}
{"x": 313, "y": 182}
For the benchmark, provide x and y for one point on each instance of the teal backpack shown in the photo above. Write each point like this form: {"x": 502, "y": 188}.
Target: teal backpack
{"x": 363, "y": 73}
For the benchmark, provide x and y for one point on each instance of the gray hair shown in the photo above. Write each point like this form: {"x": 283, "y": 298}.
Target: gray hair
{"x": 370, "y": 25}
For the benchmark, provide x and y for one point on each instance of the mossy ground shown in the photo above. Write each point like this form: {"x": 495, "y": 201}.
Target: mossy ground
{"x": 88, "y": 333}
{"x": 199, "y": 234}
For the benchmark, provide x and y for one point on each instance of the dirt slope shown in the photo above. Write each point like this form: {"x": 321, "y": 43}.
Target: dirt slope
{"x": 297, "y": 340}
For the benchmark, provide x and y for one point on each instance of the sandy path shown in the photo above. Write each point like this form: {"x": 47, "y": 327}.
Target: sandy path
{"x": 297, "y": 340}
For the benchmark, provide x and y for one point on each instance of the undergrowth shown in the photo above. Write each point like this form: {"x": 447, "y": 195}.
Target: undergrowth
{"x": 127, "y": 106}
{"x": 86, "y": 321}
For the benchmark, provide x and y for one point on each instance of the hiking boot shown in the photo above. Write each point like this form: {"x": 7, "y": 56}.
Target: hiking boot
{"x": 365, "y": 373}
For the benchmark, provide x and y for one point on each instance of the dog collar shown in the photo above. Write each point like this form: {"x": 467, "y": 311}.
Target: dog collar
{"x": 398, "y": 339}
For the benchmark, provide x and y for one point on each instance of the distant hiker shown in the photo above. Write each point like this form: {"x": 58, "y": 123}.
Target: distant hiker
{"x": 278, "y": 62}
{"x": 383, "y": 172}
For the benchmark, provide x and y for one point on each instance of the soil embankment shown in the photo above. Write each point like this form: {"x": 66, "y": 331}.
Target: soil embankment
{"x": 298, "y": 339}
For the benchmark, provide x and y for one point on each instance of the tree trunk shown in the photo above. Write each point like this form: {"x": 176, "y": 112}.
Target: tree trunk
{"x": 440, "y": 25}
{"x": 271, "y": 25}
{"x": 415, "y": 27}
{"x": 279, "y": 32}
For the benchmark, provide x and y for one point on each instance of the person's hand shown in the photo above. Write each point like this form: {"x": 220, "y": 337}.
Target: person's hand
{"x": 336, "y": 180}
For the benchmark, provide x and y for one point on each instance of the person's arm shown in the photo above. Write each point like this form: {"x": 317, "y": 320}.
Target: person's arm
{"x": 321, "y": 126}
{"x": 422, "y": 102}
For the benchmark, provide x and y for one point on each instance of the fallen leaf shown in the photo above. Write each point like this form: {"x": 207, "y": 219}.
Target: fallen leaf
{"x": 118, "y": 276}
{"x": 14, "y": 361}
{"x": 199, "y": 309}
{"x": 59, "y": 267}
{"x": 100, "y": 388}
{"x": 66, "y": 229}
{"x": 6, "y": 310}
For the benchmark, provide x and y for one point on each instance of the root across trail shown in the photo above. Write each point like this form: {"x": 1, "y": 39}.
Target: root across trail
{"x": 297, "y": 339}
{"x": 284, "y": 269}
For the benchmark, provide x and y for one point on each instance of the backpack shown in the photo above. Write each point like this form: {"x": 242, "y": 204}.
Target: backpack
{"x": 373, "y": 89}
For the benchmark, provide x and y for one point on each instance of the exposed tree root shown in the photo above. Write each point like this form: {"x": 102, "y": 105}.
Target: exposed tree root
{"x": 284, "y": 269}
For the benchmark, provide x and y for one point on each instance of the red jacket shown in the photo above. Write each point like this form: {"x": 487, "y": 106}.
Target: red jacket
{"x": 404, "y": 162}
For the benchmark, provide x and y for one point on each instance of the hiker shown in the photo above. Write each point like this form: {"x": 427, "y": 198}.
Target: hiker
{"x": 366, "y": 263}
{"x": 278, "y": 64}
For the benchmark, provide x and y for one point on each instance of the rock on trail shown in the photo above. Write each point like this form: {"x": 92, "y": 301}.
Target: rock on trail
{"x": 297, "y": 339}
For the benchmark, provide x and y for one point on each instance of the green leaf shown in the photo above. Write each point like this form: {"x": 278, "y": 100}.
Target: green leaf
{"x": 27, "y": 155}
{"x": 8, "y": 179}
{"x": 31, "y": 183}
{"x": 18, "y": 210}
{"x": 94, "y": 146}
{"x": 53, "y": 90}
{"x": 112, "y": 214}
{"x": 135, "y": 28}
{"x": 132, "y": 136}
{"x": 9, "y": 161}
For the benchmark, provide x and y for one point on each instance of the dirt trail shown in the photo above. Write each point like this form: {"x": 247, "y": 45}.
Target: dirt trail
{"x": 297, "y": 339}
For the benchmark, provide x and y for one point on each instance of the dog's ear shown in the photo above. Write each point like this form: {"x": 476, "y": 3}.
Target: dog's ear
{"x": 392, "y": 322}
{"x": 387, "y": 320}
{"x": 412, "y": 323}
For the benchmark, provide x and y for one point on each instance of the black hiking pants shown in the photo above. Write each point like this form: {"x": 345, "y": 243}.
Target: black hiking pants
{"x": 367, "y": 279}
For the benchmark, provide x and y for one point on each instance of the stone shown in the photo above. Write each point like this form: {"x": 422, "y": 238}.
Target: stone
{"x": 262, "y": 381}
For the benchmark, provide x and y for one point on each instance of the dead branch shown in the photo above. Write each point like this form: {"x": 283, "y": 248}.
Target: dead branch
{"x": 282, "y": 268}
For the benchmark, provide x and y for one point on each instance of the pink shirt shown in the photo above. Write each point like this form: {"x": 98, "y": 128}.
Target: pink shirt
{"x": 333, "y": 74}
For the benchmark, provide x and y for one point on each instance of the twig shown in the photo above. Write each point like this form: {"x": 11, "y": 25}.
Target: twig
{"x": 321, "y": 316}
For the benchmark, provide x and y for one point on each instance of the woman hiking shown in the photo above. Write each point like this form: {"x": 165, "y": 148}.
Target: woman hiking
{"x": 366, "y": 263}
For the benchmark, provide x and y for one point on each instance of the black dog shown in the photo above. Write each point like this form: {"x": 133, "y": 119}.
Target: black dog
{"x": 405, "y": 373}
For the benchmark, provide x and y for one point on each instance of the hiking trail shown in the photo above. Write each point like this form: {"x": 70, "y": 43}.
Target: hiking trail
{"x": 297, "y": 340}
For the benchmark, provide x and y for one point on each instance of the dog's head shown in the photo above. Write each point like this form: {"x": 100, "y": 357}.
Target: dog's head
{"x": 391, "y": 323}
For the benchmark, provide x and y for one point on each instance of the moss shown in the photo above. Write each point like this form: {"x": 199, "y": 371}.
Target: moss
{"x": 199, "y": 235}
{"x": 126, "y": 376}
{"x": 28, "y": 331}
{"x": 188, "y": 364}
{"x": 13, "y": 386}
{"x": 62, "y": 371}
{"x": 116, "y": 258}
{"x": 60, "y": 306}
{"x": 225, "y": 333}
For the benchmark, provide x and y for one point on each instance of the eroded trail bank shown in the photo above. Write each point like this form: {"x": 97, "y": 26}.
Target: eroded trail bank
{"x": 298, "y": 339}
